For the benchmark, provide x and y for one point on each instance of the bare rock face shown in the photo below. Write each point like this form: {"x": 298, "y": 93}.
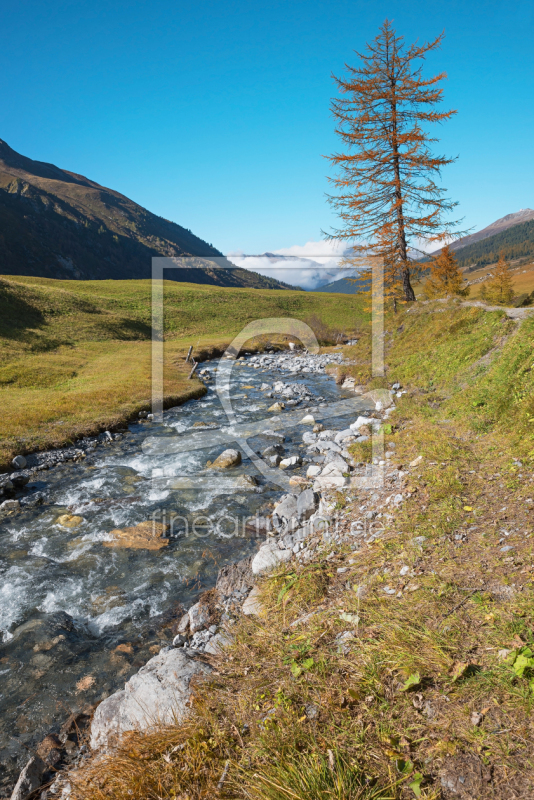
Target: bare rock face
{"x": 145, "y": 536}
{"x": 268, "y": 557}
{"x": 29, "y": 779}
{"x": 156, "y": 695}
{"x": 235, "y": 577}
{"x": 229, "y": 458}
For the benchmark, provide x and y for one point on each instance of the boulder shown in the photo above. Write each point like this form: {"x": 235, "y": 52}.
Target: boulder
{"x": 229, "y": 458}
{"x": 145, "y": 536}
{"x": 313, "y": 471}
{"x": 276, "y": 407}
{"x": 287, "y": 507}
{"x": 268, "y": 557}
{"x": 199, "y": 616}
{"x": 307, "y": 502}
{"x": 330, "y": 482}
{"x": 19, "y": 462}
{"x": 29, "y": 779}
{"x": 336, "y": 460}
{"x": 20, "y": 479}
{"x": 307, "y": 420}
{"x": 69, "y": 521}
{"x": 156, "y": 695}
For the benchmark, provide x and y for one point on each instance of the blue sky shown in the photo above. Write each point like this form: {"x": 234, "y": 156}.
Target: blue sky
{"x": 216, "y": 114}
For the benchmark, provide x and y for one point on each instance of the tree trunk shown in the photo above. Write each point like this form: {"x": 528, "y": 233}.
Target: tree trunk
{"x": 409, "y": 293}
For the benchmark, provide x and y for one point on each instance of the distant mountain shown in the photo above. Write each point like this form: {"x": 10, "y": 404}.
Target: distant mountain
{"x": 344, "y": 286}
{"x": 58, "y": 224}
{"x": 515, "y": 242}
{"x": 500, "y": 225}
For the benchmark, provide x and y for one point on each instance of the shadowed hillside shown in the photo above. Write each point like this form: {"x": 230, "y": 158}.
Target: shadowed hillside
{"x": 57, "y": 224}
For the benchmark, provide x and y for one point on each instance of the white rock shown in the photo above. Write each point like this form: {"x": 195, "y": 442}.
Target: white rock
{"x": 362, "y": 421}
{"x": 313, "y": 471}
{"x": 268, "y": 557}
{"x": 156, "y": 695}
{"x": 307, "y": 420}
{"x": 292, "y": 461}
{"x": 416, "y": 461}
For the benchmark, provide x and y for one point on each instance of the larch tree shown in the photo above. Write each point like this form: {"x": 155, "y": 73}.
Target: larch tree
{"x": 387, "y": 197}
{"x": 499, "y": 289}
{"x": 445, "y": 277}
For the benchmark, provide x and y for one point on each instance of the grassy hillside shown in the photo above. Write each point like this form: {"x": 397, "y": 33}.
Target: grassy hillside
{"x": 429, "y": 693}
{"x": 57, "y": 224}
{"x": 75, "y": 355}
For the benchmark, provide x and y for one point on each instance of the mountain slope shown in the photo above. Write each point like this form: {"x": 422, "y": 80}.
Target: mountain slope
{"x": 514, "y": 242}
{"x": 344, "y": 286}
{"x": 500, "y": 225}
{"x": 57, "y": 224}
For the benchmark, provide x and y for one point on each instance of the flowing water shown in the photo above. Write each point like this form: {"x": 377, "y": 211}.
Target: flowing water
{"x": 67, "y": 602}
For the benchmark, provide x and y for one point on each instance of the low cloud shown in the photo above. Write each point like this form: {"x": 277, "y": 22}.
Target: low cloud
{"x": 309, "y": 266}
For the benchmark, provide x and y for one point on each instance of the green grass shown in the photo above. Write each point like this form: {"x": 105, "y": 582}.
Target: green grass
{"x": 75, "y": 355}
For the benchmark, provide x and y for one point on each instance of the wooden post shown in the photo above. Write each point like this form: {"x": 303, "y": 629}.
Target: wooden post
{"x": 189, "y": 354}
{"x": 195, "y": 365}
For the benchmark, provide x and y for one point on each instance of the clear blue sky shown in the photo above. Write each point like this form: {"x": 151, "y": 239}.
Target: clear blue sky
{"x": 215, "y": 114}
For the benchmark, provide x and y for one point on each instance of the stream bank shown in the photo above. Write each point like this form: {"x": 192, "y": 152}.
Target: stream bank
{"x": 81, "y": 618}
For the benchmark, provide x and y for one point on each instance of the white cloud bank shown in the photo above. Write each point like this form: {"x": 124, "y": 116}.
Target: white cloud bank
{"x": 310, "y": 266}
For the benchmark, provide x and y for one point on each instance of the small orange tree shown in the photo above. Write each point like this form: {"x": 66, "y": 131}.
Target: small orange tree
{"x": 445, "y": 277}
{"x": 388, "y": 196}
{"x": 500, "y": 288}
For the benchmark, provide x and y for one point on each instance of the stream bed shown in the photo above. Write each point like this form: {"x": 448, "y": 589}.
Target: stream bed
{"x": 77, "y": 617}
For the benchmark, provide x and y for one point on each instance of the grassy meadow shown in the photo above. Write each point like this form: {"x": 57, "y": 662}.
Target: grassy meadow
{"x": 75, "y": 356}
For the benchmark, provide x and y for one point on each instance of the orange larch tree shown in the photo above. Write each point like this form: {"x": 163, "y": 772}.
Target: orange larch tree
{"x": 445, "y": 277}
{"x": 500, "y": 288}
{"x": 388, "y": 199}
